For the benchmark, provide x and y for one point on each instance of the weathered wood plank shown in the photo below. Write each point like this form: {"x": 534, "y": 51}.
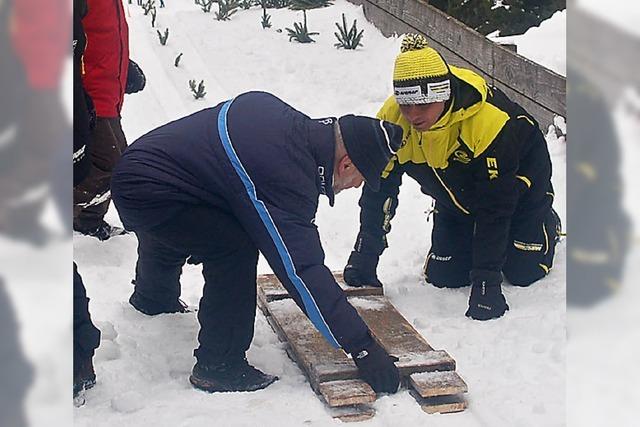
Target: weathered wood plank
{"x": 441, "y": 404}
{"x": 350, "y": 414}
{"x": 270, "y": 288}
{"x": 432, "y": 384}
{"x": 347, "y": 392}
{"x": 614, "y": 67}
{"x": 399, "y": 338}
{"x": 541, "y": 91}
{"x": 315, "y": 356}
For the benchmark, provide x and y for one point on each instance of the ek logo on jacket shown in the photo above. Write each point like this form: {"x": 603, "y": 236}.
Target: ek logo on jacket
{"x": 492, "y": 167}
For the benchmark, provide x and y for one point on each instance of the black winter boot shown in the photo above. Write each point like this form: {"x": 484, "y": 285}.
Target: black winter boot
{"x": 102, "y": 232}
{"x": 225, "y": 377}
{"x": 151, "y": 308}
{"x": 84, "y": 376}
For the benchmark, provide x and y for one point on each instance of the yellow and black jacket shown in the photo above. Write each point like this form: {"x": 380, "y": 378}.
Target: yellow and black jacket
{"x": 484, "y": 159}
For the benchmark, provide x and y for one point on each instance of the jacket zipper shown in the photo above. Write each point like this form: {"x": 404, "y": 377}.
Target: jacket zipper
{"x": 120, "y": 93}
{"x": 453, "y": 198}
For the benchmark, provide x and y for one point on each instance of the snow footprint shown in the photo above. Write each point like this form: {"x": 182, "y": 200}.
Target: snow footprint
{"x": 107, "y": 330}
{"x": 128, "y": 402}
{"x": 109, "y": 349}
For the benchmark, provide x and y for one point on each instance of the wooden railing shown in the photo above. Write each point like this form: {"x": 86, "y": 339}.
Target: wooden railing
{"x": 539, "y": 90}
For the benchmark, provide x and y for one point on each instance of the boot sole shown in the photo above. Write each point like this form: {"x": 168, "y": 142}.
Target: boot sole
{"x": 133, "y": 302}
{"x": 213, "y": 387}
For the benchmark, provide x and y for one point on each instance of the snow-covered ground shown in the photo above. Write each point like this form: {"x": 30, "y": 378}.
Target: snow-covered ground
{"x": 551, "y": 33}
{"x": 514, "y": 366}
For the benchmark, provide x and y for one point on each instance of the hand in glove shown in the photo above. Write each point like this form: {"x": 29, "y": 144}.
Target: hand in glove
{"x": 376, "y": 367}
{"x": 135, "y": 78}
{"x": 361, "y": 270}
{"x": 486, "y": 300}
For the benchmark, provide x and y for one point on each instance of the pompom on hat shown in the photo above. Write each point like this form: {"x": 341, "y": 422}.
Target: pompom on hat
{"x": 420, "y": 75}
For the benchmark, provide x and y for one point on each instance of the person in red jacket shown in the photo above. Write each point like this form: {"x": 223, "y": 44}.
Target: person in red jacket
{"x": 106, "y": 69}
{"x": 34, "y": 41}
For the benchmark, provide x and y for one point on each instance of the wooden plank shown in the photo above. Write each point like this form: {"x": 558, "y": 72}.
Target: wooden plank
{"x": 315, "y": 356}
{"x": 432, "y": 384}
{"x": 614, "y": 68}
{"x": 529, "y": 80}
{"x": 270, "y": 288}
{"x": 347, "y": 392}
{"x": 441, "y": 404}
{"x": 350, "y": 414}
{"x": 399, "y": 338}
{"x": 541, "y": 91}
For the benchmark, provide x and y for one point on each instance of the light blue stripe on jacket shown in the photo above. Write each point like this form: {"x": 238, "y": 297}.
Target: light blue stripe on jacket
{"x": 313, "y": 312}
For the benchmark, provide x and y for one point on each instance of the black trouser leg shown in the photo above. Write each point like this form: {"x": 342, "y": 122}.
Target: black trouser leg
{"x": 86, "y": 337}
{"x": 531, "y": 247}
{"x": 158, "y": 270}
{"x": 230, "y": 258}
{"x": 449, "y": 260}
{"x": 228, "y": 305}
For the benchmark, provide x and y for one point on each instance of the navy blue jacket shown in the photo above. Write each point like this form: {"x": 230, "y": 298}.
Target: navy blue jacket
{"x": 265, "y": 163}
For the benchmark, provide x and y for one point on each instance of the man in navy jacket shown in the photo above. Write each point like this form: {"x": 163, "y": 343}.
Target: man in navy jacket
{"x": 226, "y": 182}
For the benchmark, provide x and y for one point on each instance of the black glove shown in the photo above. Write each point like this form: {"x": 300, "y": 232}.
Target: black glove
{"x": 361, "y": 270}
{"x": 135, "y": 78}
{"x": 486, "y": 300}
{"x": 376, "y": 367}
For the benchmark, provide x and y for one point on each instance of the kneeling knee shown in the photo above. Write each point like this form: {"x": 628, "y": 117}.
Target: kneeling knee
{"x": 446, "y": 271}
{"x": 525, "y": 275}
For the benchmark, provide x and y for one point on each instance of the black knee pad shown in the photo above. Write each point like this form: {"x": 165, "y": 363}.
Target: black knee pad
{"x": 523, "y": 273}
{"x": 447, "y": 271}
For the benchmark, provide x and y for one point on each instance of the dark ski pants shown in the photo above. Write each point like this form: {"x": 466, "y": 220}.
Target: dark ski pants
{"x": 229, "y": 258}
{"x": 86, "y": 337}
{"x": 16, "y": 372}
{"x": 91, "y": 197}
{"x": 529, "y": 254}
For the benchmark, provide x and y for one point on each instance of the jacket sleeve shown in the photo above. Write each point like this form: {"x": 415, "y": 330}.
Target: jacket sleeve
{"x": 377, "y": 208}
{"x": 40, "y": 34}
{"x": 496, "y": 199}
{"x": 292, "y": 248}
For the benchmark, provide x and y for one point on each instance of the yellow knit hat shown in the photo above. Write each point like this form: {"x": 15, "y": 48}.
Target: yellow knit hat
{"x": 420, "y": 76}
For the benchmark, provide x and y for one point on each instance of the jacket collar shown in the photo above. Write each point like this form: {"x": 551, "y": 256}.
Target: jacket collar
{"x": 322, "y": 144}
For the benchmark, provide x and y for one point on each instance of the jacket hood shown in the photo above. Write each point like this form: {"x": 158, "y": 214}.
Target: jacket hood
{"x": 469, "y": 93}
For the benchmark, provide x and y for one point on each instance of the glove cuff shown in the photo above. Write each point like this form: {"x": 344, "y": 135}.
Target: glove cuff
{"x": 366, "y": 262}
{"x": 371, "y": 348}
{"x": 369, "y": 244}
{"x": 491, "y": 278}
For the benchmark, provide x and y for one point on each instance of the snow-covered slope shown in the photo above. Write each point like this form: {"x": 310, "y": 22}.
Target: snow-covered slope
{"x": 514, "y": 366}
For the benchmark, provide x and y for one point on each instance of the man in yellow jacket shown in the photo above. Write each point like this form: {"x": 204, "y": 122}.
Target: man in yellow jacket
{"x": 484, "y": 161}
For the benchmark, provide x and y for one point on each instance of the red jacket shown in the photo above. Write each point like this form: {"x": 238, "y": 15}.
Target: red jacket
{"x": 106, "y": 58}
{"x": 40, "y": 33}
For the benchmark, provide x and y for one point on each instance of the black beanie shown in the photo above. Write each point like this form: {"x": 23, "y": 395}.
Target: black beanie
{"x": 370, "y": 144}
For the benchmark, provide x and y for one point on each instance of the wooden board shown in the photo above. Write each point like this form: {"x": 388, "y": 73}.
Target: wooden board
{"x": 539, "y": 89}
{"x": 441, "y": 404}
{"x": 334, "y": 376}
{"x": 270, "y": 288}
{"x": 350, "y": 414}
{"x": 347, "y": 392}
{"x": 614, "y": 68}
{"x": 393, "y": 332}
{"x": 431, "y": 384}
{"x": 315, "y": 356}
